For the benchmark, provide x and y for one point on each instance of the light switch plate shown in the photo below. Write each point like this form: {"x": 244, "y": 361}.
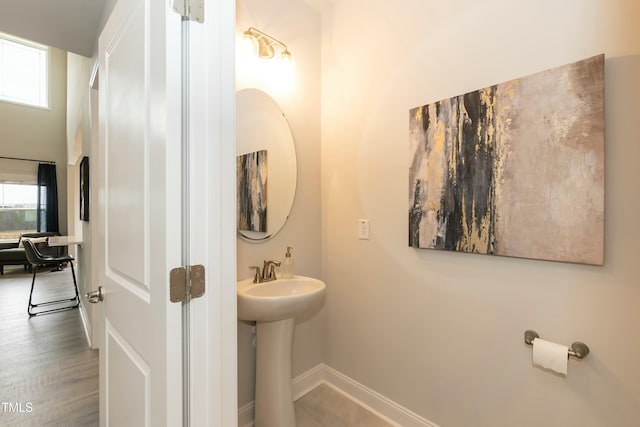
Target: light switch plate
{"x": 363, "y": 229}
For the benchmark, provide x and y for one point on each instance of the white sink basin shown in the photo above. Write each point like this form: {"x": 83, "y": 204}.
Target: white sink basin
{"x": 279, "y": 299}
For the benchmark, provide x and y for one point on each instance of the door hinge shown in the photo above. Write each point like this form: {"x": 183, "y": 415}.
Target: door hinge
{"x": 192, "y": 10}
{"x": 186, "y": 283}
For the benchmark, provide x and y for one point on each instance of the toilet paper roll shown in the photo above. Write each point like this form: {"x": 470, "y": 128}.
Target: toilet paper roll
{"x": 550, "y": 355}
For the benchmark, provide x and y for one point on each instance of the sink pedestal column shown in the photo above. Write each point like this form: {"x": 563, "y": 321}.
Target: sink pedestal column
{"x": 274, "y": 398}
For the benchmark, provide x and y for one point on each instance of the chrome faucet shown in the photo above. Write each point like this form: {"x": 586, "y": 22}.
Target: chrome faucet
{"x": 268, "y": 271}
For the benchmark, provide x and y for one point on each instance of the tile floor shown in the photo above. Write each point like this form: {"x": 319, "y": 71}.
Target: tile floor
{"x": 325, "y": 407}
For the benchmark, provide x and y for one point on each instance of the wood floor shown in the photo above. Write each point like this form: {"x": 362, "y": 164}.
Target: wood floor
{"x": 48, "y": 374}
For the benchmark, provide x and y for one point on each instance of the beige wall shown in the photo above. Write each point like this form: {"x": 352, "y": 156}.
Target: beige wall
{"x": 298, "y": 26}
{"x": 442, "y": 333}
{"x": 37, "y": 133}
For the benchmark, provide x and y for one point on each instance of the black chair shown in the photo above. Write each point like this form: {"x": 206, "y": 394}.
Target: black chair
{"x": 36, "y": 259}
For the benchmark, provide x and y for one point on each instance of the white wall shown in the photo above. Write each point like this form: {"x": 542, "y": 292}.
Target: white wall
{"x": 298, "y": 26}
{"x": 37, "y": 133}
{"x": 78, "y": 72}
{"x": 442, "y": 333}
{"x": 79, "y": 142}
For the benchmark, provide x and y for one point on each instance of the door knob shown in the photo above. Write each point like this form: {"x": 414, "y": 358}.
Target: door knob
{"x": 94, "y": 297}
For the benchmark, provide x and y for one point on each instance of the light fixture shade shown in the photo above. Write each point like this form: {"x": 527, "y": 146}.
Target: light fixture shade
{"x": 265, "y": 49}
{"x": 249, "y": 42}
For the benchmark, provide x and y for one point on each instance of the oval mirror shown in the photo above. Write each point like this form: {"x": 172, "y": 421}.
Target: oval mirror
{"x": 265, "y": 164}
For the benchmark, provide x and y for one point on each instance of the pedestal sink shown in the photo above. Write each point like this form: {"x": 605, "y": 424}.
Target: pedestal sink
{"x": 274, "y": 306}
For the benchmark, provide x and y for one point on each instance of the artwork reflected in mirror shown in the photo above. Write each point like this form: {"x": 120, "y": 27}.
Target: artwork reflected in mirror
{"x": 84, "y": 189}
{"x": 251, "y": 170}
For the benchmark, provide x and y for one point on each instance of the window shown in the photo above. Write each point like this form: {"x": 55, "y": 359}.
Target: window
{"x": 18, "y": 209}
{"x": 23, "y": 72}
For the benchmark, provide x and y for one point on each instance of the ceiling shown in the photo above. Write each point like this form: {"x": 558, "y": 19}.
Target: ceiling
{"x": 71, "y": 25}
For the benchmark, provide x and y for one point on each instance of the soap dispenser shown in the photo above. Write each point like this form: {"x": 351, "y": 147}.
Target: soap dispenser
{"x": 286, "y": 269}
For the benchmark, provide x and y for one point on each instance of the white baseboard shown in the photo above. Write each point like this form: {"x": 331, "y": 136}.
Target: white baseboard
{"x": 307, "y": 381}
{"x": 86, "y": 324}
{"x": 246, "y": 415}
{"x": 369, "y": 399}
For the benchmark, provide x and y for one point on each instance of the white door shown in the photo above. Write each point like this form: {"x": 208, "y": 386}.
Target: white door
{"x": 139, "y": 221}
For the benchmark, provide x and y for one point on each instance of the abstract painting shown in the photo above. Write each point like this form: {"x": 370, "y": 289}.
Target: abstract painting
{"x": 251, "y": 171}
{"x": 514, "y": 169}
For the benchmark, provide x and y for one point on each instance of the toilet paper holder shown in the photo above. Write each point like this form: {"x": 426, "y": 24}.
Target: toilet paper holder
{"x": 578, "y": 349}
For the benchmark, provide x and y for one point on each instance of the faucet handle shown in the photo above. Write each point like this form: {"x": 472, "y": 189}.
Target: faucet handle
{"x": 256, "y": 277}
{"x": 269, "y": 270}
{"x": 272, "y": 269}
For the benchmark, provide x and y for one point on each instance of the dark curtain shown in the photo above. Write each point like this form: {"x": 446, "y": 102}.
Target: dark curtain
{"x": 47, "y": 198}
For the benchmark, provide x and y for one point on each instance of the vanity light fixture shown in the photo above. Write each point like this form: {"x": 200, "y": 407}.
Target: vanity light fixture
{"x": 266, "y": 44}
